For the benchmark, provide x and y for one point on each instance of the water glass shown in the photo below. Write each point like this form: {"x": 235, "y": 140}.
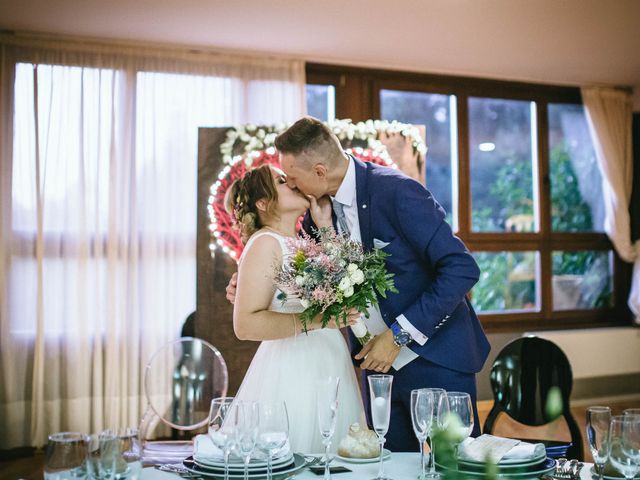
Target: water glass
{"x": 104, "y": 451}
{"x": 247, "y": 423}
{"x": 380, "y": 394}
{"x": 220, "y": 429}
{"x": 66, "y": 456}
{"x": 273, "y": 431}
{"x": 421, "y": 418}
{"x": 327, "y": 406}
{"x": 460, "y": 404}
{"x": 624, "y": 435}
{"x": 631, "y": 411}
{"x": 598, "y": 420}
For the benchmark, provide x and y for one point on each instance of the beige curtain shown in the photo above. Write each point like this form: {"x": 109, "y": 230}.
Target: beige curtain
{"x": 98, "y": 174}
{"x": 609, "y": 112}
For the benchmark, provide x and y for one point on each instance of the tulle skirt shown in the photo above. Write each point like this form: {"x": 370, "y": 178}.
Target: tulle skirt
{"x": 287, "y": 369}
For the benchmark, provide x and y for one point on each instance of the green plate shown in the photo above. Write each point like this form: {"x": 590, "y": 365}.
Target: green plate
{"x": 535, "y": 471}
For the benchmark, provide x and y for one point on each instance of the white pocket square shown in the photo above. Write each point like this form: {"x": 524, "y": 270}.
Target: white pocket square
{"x": 379, "y": 243}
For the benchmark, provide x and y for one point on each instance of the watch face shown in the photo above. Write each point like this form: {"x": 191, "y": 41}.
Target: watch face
{"x": 403, "y": 338}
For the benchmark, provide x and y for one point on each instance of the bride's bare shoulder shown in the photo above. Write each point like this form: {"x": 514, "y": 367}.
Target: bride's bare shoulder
{"x": 261, "y": 245}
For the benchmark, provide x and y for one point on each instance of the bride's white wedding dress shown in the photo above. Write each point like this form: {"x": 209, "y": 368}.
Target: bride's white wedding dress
{"x": 287, "y": 369}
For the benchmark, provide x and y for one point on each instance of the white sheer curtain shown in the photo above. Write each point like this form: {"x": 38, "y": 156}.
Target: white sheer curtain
{"x": 98, "y": 174}
{"x": 609, "y": 112}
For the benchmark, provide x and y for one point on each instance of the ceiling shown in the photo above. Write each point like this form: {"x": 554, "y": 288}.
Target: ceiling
{"x": 551, "y": 41}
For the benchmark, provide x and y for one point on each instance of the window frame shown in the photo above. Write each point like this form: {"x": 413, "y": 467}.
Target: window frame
{"x": 357, "y": 95}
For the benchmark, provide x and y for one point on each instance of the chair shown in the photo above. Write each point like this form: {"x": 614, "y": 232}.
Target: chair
{"x": 529, "y": 375}
{"x": 180, "y": 381}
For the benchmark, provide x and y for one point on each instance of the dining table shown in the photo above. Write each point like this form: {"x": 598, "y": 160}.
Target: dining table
{"x": 399, "y": 466}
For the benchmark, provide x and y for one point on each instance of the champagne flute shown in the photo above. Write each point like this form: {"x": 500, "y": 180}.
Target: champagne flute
{"x": 327, "y": 405}
{"x": 421, "y": 418}
{"x": 221, "y": 428}
{"x": 624, "y": 436}
{"x": 460, "y": 404}
{"x": 380, "y": 394}
{"x": 598, "y": 420}
{"x": 247, "y": 423}
{"x": 273, "y": 431}
{"x": 438, "y": 394}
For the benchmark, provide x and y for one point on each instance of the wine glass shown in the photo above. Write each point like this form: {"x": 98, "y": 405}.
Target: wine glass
{"x": 247, "y": 423}
{"x": 460, "y": 404}
{"x": 440, "y": 409}
{"x": 624, "y": 435}
{"x": 221, "y": 429}
{"x": 327, "y": 405}
{"x": 598, "y": 420}
{"x": 273, "y": 431}
{"x": 380, "y": 394}
{"x": 421, "y": 418}
{"x": 66, "y": 456}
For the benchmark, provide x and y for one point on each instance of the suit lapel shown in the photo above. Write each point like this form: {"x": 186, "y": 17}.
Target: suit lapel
{"x": 362, "y": 197}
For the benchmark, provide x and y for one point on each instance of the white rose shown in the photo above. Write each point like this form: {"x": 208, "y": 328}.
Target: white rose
{"x": 305, "y": 303}
{"x": 359, "y": 328}
{"x": 357, "y": 277}
{"x": 348, "y": 292}
{"x": 345, "y": 283}
{"x": 299, "y": 280}
{"x": 352, "y": 267}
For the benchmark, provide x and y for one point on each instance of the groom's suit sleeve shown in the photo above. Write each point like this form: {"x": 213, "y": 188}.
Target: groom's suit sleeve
{"x": 453, "y": 269}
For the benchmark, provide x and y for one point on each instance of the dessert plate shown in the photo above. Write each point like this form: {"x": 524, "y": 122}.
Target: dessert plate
{"x": 385, "y": 455}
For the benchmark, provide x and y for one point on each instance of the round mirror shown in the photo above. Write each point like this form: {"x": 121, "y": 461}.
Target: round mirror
{"x": 181, "y": 379}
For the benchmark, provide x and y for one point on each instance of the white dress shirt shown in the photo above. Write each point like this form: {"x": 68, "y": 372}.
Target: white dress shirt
{"x": 347, "y": 196}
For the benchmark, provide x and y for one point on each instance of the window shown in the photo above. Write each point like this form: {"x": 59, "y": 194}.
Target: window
{"x": 514, "y": 167}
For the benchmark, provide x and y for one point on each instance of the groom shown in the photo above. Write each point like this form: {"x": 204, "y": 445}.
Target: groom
{"x": 427, "y": 334}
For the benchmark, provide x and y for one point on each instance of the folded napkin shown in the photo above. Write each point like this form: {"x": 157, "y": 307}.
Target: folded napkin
{"x": 159, "y": 452}
{"x": 499, "y": 449}
{"x": 203, "y": 447}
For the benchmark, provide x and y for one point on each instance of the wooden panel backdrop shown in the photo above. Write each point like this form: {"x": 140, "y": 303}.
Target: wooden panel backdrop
{"x": 213, "y": 311}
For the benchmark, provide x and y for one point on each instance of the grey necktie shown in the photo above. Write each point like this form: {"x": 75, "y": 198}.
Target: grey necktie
{"x": 338, "y": 208}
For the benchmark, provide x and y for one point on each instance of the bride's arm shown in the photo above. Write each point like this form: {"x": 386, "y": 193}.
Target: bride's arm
{"x": 252, "y": 319}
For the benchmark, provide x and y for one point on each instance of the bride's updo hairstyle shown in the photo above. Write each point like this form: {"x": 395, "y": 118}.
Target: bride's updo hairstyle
{"x": 242, "y": 196}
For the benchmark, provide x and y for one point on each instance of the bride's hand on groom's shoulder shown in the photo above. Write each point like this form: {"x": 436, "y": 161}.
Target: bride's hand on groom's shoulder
{"x": 320, "y": 209}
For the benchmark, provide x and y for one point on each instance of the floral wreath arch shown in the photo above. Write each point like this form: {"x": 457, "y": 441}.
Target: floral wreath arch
{"x": 249, "y": 146}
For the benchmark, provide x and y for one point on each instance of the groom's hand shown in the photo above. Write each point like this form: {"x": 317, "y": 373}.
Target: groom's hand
{"x": 379, "y": 354}
{"x": 320, "y": 209}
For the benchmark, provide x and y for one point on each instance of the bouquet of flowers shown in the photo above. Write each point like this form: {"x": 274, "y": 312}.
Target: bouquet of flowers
{"x": 331, "y": 276}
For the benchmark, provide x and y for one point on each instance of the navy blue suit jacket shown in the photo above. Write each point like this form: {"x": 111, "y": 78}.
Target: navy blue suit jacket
{"x": 433, "y": 271}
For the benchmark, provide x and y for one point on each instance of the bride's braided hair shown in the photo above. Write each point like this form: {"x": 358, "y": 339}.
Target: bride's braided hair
{"x": 242, "y": 195}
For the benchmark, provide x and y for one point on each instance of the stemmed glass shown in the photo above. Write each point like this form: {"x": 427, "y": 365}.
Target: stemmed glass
{"x": 598, "y": 420}
{"x": 421, "y": 418}
{"x": 624, "y": 435}
{"x": 221, "y": 428}
{"x": 460, "y": 404}
{"x": 327, "y": 405}
{"x": 247, "y": 424}
{"x": 440, "y": 410}
{"x": 380, "y": 393}
{"x": 273, "y": 432}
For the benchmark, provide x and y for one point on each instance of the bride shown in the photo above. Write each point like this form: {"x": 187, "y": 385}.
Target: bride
{"x": 288, "y": 361}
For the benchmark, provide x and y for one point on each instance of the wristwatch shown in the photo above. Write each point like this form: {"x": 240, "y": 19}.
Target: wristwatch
{"x": 401, "y": 338}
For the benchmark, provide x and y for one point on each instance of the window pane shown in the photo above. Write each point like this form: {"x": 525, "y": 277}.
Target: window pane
{"x": 437, "y": 113}
{"x": 576, "y": 184}
{"x": 582, "y": 280}
{"x": 508, "y": 282}
{"x": 321, "y": 101}
{"x": 502, "y": 153}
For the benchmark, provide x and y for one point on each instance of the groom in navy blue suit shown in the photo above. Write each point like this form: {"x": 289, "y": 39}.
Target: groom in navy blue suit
{"x": 427, "y": 334}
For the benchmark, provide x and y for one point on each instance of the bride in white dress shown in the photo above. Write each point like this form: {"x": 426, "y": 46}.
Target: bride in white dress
{"x": 288, "y": 361}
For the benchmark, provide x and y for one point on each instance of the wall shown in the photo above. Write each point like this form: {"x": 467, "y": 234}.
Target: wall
{"x": 605, "y": 361}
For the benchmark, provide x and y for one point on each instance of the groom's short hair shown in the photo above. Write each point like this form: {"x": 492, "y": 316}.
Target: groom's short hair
{"x": 309, "y": 137}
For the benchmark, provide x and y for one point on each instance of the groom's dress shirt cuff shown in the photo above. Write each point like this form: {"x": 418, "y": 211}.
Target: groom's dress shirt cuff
{"x": 418, "y": 337}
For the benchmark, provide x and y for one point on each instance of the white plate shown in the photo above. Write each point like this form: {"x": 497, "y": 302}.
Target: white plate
{"x": 235, "y": 465}
{"x": 385, "y": 455}
{"x": 509, "y": 462}
{"x": 299, "y": 464}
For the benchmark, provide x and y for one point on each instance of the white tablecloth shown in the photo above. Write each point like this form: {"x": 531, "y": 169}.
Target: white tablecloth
{"x": 401, "y": 466}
